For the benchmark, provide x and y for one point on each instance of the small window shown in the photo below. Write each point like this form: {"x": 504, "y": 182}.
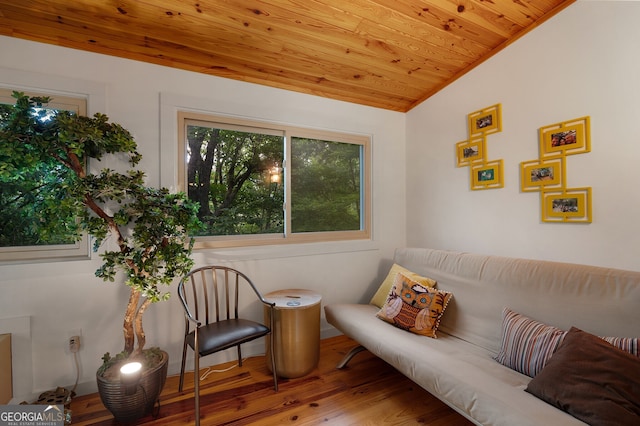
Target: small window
{"x": 258, "y": 183}
{"x": 29, "y": 230}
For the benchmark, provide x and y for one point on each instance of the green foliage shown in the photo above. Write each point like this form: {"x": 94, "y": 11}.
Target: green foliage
{"x": 108, "y": 361}
{"x": 229, "y": 175}
{"x": 325, "y": 195}
{"x": 43, "y": 169}
{"x": 156, "y": 242}
{"x": 36, "y": 208}
{"x": 148, "y": 358}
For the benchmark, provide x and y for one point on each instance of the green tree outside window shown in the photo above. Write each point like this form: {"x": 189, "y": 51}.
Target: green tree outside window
{"x": 260, "y": 180}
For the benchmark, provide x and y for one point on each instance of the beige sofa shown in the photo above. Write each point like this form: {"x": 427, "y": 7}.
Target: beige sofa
{"x": 459, "y": 366}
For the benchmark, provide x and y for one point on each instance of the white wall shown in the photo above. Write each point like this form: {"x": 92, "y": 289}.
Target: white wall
{"x": 64, "y": 298}
{"x": 583, "y": 62}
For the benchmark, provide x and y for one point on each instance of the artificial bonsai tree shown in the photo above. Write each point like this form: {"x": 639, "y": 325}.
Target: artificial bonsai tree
{"x": 149, "y": 227}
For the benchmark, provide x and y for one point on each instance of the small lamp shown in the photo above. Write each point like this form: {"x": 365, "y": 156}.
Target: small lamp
{"x": 130, "y": 374}
{"x": 274, "y": 175}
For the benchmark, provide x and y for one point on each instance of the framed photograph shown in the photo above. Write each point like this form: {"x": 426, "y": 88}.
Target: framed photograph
{"x": 486, "y": 121}
{"x": 570, "y": 205}
{"x": 470, "y": 151}
{"x": 566, "y": 138}
{"x": 538, "y": 174}
{"x": 487, "y": 175}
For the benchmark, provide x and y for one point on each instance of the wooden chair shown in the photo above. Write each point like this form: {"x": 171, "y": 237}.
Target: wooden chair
{"x": 210, "y": 297}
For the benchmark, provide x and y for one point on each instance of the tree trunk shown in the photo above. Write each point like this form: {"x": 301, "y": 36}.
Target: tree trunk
{"x": 129, "y": 317}
{"x": 200, "y": 167}
{"x": 140, "y": 336}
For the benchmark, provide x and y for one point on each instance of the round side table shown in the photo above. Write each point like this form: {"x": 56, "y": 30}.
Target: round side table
{"x": 296, "y": 331}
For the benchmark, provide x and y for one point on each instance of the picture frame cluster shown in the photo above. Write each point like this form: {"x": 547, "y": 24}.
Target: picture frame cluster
{"x": 548, "y": 174}
{"x": 472, "y": 153}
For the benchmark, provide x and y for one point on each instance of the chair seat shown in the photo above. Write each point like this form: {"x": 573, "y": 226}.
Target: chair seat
{"x": 226, "y": 334}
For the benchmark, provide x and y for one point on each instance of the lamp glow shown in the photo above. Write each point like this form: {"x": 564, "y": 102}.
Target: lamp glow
{"x": 274, "y": 175}
{"x": 130, "y": 374}
{"x": 130, "y": 368}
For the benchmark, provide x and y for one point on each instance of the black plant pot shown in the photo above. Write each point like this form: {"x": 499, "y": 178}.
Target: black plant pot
{"x": 129, "y": 408}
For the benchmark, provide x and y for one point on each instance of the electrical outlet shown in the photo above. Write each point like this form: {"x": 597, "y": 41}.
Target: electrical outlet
{"x": 74, "y": 344}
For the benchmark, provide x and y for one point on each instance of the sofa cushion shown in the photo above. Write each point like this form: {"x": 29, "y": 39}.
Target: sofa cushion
{"x": 461, "y": 374}
{"x": 526, "y": 344}
{"x": 380, "y": 296}
{"x": 591, "y": 380}
{"x": 414, "y": 307}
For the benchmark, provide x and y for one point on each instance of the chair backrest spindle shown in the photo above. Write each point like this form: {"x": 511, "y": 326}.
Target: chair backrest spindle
{"x": 226, "y": 292}
{"x": 214, "y": 291}
{"x": 235, "y": 308}
{"x": 205, "y": 295}
{"x": 194, "y": 289}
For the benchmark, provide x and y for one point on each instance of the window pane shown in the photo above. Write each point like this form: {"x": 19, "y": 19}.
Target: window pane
{"x": 34, "y": 208}
{"x": 236, "y": 177}
{"x": 325, "y": 188}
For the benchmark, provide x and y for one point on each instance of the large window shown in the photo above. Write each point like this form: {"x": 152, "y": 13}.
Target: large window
{"x": 259, "y": 183}
{"x": 29, "y": 229}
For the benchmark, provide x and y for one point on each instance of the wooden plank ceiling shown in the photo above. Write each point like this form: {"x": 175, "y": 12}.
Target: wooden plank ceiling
{"x": 390, "y": 54}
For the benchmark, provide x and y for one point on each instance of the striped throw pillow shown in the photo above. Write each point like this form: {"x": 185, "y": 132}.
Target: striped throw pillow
{"x": 627, "y": 344}
{"x": 527, "y": 344}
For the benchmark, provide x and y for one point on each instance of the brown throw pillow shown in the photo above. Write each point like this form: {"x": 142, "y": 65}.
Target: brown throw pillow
{"x": 591, "y": 380}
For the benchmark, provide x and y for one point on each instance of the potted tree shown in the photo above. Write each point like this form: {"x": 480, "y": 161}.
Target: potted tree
{"x": 148, "y": 227}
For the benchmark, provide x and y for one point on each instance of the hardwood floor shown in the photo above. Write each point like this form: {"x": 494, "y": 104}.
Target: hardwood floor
{"x": 367, "y": 392}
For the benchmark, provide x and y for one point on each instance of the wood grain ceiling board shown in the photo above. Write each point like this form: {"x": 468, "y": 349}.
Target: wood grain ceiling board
{"x": 390, "y": 54}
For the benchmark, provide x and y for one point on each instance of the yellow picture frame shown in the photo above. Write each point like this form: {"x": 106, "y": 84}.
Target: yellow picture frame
{"x": 488, "y": 175}
{"x": 486, "y": 121}
{"x": 470, "y": 151}
{"x": 567, "y": 205}
{"x": 566, "y": 138}
{"x": 542, "y": 174}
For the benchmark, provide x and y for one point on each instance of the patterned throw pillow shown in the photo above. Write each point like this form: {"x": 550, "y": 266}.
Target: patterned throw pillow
{"x": 414, "y": 307}
{"x": 379, "y": 298}
{"x": 528, "y": 344}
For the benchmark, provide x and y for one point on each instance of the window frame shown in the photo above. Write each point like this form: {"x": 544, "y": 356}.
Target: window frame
{"x": 29, "y": 254}
{"x": 287, "y": 237}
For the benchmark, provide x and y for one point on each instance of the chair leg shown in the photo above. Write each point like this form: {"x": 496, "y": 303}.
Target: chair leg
{"x": 273, "y": 362}
{"x": 196, "y": 379}
{"x": 239, "y": 356}
{"x": 184, "y": 361}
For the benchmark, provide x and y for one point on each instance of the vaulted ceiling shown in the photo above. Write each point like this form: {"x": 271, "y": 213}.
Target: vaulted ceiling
{"x": 390, "y": 54}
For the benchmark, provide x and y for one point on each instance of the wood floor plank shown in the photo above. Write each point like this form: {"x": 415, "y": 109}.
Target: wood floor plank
{"x": 367, "y": 392}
